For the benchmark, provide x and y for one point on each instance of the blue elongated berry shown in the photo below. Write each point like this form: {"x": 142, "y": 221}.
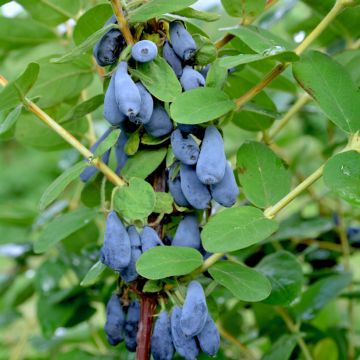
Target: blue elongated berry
{"x": 172, "y": 59}
{"x": 181, "y": 41}
{"x": 226, "y": 191}
{"x": 121, "y": 156}
{"x": 112, "y": 112}
{"x": 191, "y": 79}
{"x": 147, "y": 106}
{"x": 194, "y": 312}
{"x": 162, "y": 347}
{"x": 149, "y": 239}
{"x": 185, "y": 345}
{"x": 209, "y": 337}
{"x": 115, "y": 321}
{"x": 211, "y": 164}
{"x": 160, "y": 123}
{"x": 195, "y": 192}
{"x": 188, "y": 233}
{"x": 108, "y": 48}
{"x": 204, "y": 71}
{"x": 130, "y": 274}
{"x": 90, "y": 171}
{"x": 116, "y": 250}
{"x": 184, "y": 148}
{"x": 132, "y": 325}
{"x": 134, "y": 236}
{"x": 144, "y": 51}
{"x": 174, "y": 184}
{"x": 127, "y": 93}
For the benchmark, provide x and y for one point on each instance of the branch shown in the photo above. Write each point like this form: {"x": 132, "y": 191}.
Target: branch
{"x": 294, "y": 329}
{"x": 294, "y": 109}
{"x": 123, "y": 24}
{"x": 228, "y": 37}
{"x": 339, "y": 5}
{"x": 69, "y": 138}
{"x": 148, "y": 306}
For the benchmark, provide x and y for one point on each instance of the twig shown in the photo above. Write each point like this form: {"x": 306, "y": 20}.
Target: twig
{"x": 226, "y": 335}
{"x": 295, "y": 330}
{"x": 148, "y": 306}
{"x": 69, "y": 138}
{"x": 339, "y": 5}
{"x": 347, "y": 266}
{"x": 228, "y": 37}
{"x": 294, "y": 109}
{"x": 123, "y": 24}
{"x": 271, "y": 211}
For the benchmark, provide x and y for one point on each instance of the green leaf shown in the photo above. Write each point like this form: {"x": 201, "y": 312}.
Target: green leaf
{"x": 93, "y": 274}
{"x": 108, "y": 143}
{"x": 331, "y": 87}
{"x": 152, "y": 286}
{"x": 15, "y": 91}
{"x": 143, "y": 163}
{"x": 326, "y": 349}
{"x": 84, "y": 108}
{"x": 255, "y": 117}
{"x": 279, "y": 54}
{"x": 132, "y": 145}
{"x": 10, "y": 119}
{"x": 282, "y": 348}
{"x": 342, "y": 175}
{"x": 206, "y": 51}
{"x": 58, "y": 186}
{"x": 159, "y": 78}
{"x": 319, "y": 294}
{"x": 85, "y": 46}
{"x": 197, "y": 14}
{"x": 216, "y": 76}
{"x": 155, "y": 8}
{"x": 23, "y": 32}
{"x": 59, "y": 82}
{"x": 245, "y": 283}
{"x": 135, "y": 201}
{"x": 243, "y": 9}
{"x": 258, "y": 39}
{"x": 164, "y": 261}
{"x": 62, "y": 227}
{"x": 236, "y": 228}
{"x": 91, "y": 21}
{"x": 200, "y": 105}
{"x": 163, "y": 203}
{"x": 51, "y": 12}
{"x": 285, "y": 274}
{"x": 263, "y": 176}
{"x": 147, "y": 139}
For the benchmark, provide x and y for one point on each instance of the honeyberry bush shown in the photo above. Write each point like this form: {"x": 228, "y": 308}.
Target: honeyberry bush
{"x": 169, "y": 175}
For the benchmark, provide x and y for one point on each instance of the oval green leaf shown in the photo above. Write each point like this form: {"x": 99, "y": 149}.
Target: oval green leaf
{"x": 263, "y": 176}
{"x": 61, "y": 227}
{"x": 135, "y": 201}
{"x": 143, "y": 163}
{"x": 245, "y": 283}
{"x": 155, "y": 8}
{"x": 342, "y": 175}
{"x": 159, "y": 78}
{"x": 164, "y": 261}
{"x": 286, "y": 277}
{"x": 93, "y": 275}
{"x": 236, "y": 228}
{"x": 58, "y": 186}
{"x": 200, "y": 105}
{"x": 332, "y": 88}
